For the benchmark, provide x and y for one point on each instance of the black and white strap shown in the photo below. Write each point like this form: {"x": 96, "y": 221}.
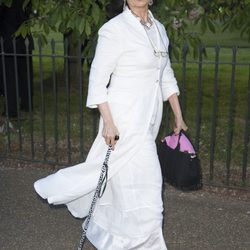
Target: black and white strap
{"x": 102, "y": 182}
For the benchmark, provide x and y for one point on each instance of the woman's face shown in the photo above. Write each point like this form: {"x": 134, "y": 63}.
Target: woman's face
{"x": 137, "y": 3}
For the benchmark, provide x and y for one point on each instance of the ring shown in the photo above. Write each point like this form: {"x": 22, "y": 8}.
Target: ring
{"x": 117, "y": 137}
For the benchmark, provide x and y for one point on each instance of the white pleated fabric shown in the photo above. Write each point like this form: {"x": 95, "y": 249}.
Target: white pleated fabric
{"x": 129, "y": 215}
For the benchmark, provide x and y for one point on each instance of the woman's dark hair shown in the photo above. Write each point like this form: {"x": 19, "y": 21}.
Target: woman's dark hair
{"x": 114, "y": 8}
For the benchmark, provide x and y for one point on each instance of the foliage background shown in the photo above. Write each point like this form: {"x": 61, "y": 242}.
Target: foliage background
{"x": 82, "y": 18}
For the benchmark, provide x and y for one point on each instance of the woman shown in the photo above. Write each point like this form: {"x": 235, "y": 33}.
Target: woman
{"x": 131, "y": 56}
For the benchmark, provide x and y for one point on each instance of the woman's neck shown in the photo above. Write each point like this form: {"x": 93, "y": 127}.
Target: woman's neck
{"x": 140, "y": 12}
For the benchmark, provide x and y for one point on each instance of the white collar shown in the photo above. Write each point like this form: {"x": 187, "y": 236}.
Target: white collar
{"x": 128, "y": 11}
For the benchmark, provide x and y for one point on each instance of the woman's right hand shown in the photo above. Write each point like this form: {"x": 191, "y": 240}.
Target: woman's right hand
{"x": 179, "y": 125}
{"x": 109, "y": 132}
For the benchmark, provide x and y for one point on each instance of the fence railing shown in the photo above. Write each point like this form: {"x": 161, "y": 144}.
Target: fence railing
{"x": 45, "y": 118}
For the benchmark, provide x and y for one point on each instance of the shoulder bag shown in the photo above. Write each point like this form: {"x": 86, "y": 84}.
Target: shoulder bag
{"x": 179, "y": 162}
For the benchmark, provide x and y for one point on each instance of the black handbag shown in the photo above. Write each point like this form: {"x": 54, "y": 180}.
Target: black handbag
{"x": 180, "y": 169}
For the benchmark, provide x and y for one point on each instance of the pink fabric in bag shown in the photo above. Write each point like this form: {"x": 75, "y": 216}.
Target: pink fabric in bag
{"x": 185, "y": 144}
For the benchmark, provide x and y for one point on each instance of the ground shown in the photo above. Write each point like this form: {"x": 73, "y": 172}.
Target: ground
{"x": 213, "y": 218}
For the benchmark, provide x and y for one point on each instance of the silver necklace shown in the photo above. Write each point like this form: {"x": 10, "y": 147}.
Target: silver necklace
{"x": 147, "y": 25}
{"x": 157, "y": 52}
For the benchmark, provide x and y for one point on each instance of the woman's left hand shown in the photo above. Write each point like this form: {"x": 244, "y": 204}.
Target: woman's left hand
{"x": 179, "y": 125}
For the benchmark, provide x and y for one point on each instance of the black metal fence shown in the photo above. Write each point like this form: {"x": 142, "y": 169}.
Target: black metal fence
{"x": 55, "y": 126}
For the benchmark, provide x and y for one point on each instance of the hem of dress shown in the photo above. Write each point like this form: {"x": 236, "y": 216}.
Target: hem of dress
{"x": 38, "y": 190}
{"x": 109, "y": 237}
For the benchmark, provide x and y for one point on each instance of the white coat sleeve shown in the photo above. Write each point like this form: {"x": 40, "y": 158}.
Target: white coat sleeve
{"x": 169, "y": 84}
{"x": 107, "y": 53}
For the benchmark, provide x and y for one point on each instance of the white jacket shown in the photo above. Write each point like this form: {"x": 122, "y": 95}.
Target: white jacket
{"x": 124, "y": 52}
{"x": 139, "y": 79}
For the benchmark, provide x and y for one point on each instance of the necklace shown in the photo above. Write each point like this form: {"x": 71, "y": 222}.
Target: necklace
{"x": 157, "y": 52}
{"x": 146, "y": 24}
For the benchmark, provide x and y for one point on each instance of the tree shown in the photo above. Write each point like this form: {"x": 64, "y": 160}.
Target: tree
{"x": 80, "y": 19}
{"x": 75, "y": 19}
{"x": 231, "y": 14}
{"x": 234, "y": 14}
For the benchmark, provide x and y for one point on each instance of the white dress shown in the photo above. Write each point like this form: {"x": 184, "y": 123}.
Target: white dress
{"x": 129, "y": 214}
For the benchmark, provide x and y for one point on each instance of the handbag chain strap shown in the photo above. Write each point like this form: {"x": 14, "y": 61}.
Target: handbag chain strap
{"x": 102, "y": 182}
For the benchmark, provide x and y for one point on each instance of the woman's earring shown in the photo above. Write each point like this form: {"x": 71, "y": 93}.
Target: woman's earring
{"x": 150, "y": 2}
{"x": 124, "y": 4}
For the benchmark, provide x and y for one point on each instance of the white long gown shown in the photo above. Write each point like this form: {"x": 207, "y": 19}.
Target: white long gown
{"x": 129, "y": 214}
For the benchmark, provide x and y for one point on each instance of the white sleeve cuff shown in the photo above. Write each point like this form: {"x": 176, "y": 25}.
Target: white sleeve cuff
{"x": 167, "y": 91}
{"x": 92, "y": 101}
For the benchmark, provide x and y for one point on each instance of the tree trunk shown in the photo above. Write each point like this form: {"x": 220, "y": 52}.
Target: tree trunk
{"x": 73, "y": 62}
